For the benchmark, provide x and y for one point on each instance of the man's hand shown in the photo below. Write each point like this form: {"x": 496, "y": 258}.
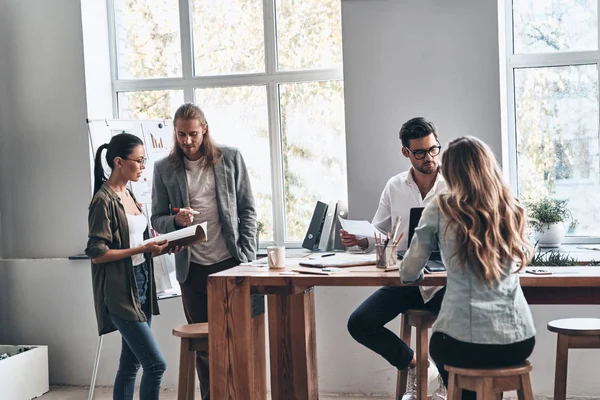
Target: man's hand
{"x": 349, "y": 240}
{"x": 177, "y": 249}
{"x": 184, "y": 218}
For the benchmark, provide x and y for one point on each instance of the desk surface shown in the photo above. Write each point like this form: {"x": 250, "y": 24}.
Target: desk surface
{"x": 580, "y": 276}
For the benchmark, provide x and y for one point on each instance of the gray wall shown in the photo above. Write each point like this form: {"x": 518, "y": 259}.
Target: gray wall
{"x": 44, "y": 159}
{"x": 402, "y": 58}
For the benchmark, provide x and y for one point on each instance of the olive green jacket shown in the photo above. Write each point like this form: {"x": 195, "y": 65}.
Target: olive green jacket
{"x": 114, "y": 285}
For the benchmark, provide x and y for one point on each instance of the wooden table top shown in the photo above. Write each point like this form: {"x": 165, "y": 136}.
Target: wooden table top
{"x": 369, "y": 275}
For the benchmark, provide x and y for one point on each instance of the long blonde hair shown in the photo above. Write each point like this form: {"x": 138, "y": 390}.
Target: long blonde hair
{"x": 489, "y": 220}
{"x": 208, "y": 148}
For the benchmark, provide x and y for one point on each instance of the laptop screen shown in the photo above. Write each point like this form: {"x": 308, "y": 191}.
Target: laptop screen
{"x": 415, "y": 217}
{"x": 413, "y": 222}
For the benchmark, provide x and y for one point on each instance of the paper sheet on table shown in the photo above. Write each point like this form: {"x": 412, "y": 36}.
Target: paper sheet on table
{"x": 289, "y": 262}
{"x": 358, "y": 228}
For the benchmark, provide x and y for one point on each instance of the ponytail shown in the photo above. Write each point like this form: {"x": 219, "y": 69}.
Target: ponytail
{"x": 99, "y": 176}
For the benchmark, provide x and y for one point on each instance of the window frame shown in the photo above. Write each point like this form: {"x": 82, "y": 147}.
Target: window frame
{"x": 271, "y": 79}
{"x": 535, "y": 60}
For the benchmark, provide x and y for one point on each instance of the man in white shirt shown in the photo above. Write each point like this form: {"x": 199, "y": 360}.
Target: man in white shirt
{"x": 413, "y": 188}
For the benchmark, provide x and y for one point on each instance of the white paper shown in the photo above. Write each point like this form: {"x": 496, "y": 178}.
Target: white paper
{"x": 289, "y": 262}
{"x": 181, "y": 233}
{"x": 358, "y": 228}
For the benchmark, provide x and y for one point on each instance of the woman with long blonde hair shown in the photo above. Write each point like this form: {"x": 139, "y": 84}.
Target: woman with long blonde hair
{"x": 479, "y": 226}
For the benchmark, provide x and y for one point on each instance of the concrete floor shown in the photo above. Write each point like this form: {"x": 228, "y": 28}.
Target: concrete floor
{"x": 105, "y": 393}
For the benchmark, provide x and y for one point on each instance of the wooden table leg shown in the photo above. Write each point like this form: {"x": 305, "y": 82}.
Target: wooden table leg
{"x": 259, "y": 354}
{"x": 230, "y": 339}
{"x": 293, "y": 346}
{"x": 560, "y": 375}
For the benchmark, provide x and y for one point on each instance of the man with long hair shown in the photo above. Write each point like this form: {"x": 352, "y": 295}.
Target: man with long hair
{"x": 199, "y": 176}
{"x": 479, "y": 227}
{"x": 416, "y": 187}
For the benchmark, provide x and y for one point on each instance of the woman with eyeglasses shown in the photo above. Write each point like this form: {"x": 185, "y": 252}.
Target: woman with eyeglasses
{"x": 122, "y": 273}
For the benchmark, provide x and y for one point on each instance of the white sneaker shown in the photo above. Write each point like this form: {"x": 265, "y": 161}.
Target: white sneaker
{"x": 411, "y": 385}
{"x": 432, "y": 373}
{"x": 441, "y": 392}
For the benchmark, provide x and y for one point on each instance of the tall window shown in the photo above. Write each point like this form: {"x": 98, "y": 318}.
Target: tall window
{"x": 268, "y": 75}
{"x": 553, "y": 59}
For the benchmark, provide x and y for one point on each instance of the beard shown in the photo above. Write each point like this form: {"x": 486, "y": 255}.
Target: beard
{"x": 427, "y": 168}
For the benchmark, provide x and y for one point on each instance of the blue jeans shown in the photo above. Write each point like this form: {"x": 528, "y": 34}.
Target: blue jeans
{"x": 367, "y": 322}
{"x": 138, "y": 347}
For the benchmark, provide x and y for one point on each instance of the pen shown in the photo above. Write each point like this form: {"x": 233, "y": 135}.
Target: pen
{"x": 328, "y": 255}
{"x": 177, "y": 209}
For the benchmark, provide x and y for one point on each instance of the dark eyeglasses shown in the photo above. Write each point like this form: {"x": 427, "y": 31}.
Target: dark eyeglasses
{"x": 141, "y": 161}
{"x": 420, "y": 154}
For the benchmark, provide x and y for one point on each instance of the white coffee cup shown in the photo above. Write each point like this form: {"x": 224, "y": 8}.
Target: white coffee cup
{"x": 276, "y": 256}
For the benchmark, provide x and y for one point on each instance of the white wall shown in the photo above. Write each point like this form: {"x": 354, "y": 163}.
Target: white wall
{"x": 401, "y": 59}
{"x": 50, "y": 302}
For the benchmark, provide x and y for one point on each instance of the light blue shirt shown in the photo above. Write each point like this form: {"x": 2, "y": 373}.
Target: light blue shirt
{"x": 471, "y": 311}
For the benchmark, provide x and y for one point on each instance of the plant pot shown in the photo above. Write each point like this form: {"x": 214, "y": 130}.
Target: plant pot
{"x": 550, "y": 235}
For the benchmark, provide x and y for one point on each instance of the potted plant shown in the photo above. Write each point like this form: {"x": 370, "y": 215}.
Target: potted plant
{"x": 547, "y": 218}
{"x": 260, "y": 230}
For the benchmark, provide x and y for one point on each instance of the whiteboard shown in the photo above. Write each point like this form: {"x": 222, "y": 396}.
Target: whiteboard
{"x": 157, "y": 136}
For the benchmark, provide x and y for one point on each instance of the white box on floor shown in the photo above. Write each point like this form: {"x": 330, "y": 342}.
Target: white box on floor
{"x": 23, "y": 375}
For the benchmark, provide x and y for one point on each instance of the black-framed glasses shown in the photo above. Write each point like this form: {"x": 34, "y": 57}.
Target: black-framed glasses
{"x": 141, "y": 161}
{"x": 420, "y": 154}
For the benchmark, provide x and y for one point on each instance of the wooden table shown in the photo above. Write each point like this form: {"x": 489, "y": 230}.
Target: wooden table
{"x": 237, "y": 341}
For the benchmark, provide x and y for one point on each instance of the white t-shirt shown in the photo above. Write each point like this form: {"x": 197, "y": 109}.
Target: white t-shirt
{"x": 400, "y": 194}
{"x": 203, "y": 198}
{"x": 137, "y": 226}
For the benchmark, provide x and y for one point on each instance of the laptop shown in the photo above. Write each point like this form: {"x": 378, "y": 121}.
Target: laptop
{"x": 434, "y": 264}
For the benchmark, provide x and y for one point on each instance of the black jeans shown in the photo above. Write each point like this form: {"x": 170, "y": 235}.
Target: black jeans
{"x": 367, "y": 322}
{"x": 445, "y": 350}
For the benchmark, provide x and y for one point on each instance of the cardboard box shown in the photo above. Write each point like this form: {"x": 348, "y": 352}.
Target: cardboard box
{"x": 23, "y": 375}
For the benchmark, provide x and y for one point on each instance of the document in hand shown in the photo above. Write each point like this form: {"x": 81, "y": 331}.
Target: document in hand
{"x": 358, "y": 228}
{"x": 182, "y": 237}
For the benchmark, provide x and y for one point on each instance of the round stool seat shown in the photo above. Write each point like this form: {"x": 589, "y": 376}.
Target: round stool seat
{"x": 420, "y": 317}
{"x": 575, "y": 326}
{"x": 492, "y": 372}
{"x": 192, "y": 331}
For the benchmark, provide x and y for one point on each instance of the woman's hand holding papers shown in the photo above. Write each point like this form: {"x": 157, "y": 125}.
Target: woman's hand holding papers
{"x": 155, "y": 247}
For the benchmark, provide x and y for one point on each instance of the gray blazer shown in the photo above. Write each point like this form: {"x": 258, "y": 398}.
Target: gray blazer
{"x": 234, "y": 200}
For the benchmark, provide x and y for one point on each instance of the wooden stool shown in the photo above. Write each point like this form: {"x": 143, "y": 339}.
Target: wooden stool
{"x": 490, "y": 383}
{"x": 194, "y": 337}
{"x": 422, "y": 320}
{"x": 573, "y": 333}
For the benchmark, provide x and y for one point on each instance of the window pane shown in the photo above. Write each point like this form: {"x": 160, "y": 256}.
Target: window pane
{"x": 309, "y": 34}
{"x": 551, "y": 26}
{"x": 314, "y": 150}
{"x": 148, "y": 44}
{"x": 228, "y": 37}
{"x": 156, "y": 104}
{"x": 237, "y": 116}
{"x": 557, "y": 139}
